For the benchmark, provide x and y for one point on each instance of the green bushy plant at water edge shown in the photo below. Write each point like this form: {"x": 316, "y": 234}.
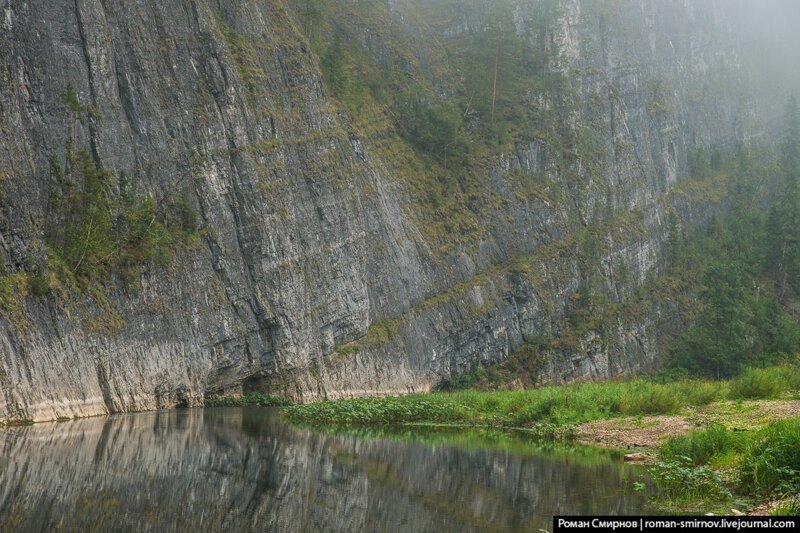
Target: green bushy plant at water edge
{"x": 698, "y": 393}
{"x": 701, "y": 447}
{"x": 772, "y": 463}
{"x": 788, "y": 375}
{"x": 569, "y": 404}
{"x": 681, "y": 481}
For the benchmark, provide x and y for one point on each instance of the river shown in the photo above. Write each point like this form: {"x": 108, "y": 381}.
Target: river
{"x": 244, "y": 469}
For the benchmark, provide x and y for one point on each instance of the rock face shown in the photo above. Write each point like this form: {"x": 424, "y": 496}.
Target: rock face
{"x": 315, "y": 275}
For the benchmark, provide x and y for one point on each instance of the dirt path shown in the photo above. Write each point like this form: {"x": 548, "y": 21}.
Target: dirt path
{"x": 648, "y": 432}
{"x": 651, "y": 431}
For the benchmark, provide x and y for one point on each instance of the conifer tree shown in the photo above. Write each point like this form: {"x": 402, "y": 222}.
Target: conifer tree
{"x": 784, "y": 223}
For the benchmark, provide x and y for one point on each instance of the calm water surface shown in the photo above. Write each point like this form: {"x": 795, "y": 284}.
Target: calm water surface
{"x": 234, "y": 469}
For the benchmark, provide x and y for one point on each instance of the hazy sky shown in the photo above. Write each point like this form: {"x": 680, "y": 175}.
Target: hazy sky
{"x": 770, "y": 38}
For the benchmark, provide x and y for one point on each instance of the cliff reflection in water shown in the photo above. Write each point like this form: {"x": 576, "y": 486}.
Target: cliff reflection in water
{"x": 243, "y": 469}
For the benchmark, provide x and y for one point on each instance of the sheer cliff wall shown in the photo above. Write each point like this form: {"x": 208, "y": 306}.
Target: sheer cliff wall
{"x": 323, "y": 267}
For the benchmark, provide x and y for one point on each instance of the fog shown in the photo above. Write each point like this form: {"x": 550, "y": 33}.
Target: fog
{"x": 769, "y": 36}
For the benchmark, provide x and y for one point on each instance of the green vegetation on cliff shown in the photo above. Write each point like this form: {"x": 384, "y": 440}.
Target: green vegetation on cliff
{"x": 442, "y": 114}
{"x": 745, "y": 266}
{"x": 97, "y": 226}
{"x": 730, "y": 276}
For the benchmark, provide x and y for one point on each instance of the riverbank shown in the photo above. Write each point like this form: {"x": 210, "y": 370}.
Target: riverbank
{"x": 709, "y": 446}
{"x": 650, "y": 432}
{"x": 718, "y": 468}
{"x": 557, "y": 406}
{"x": 722, "y": 458}
{"x": 701, "y": 440}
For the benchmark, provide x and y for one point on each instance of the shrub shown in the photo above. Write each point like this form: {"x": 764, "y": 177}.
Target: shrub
{"x": 701, "y": 392}
{"x": 6, "y": 290}
{"x": 92, "y": 229}
{"x": 772, "y": 463}
{"x": 652, "y": 400}
{"x": 682, "y": 482}
{"x": 432, "y": 127}
{"x": 39, "y": 284}
{"x": 700, "y": 447}
{"x": 538, "y": 410}
{"x": 757, "y": 383}
{"x": 789, "y": 376}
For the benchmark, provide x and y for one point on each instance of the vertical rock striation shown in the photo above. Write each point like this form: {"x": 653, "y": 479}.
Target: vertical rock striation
{"x": 315, "y": 276}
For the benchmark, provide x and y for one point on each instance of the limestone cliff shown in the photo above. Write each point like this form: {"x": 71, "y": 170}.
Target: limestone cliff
{"x": 334, "y": 255}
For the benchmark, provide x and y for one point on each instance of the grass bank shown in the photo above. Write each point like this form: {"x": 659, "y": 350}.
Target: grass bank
{"x": 558, "y": 406}
{"x": 727, "y": 450}
{"x": 718, "y": 468}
